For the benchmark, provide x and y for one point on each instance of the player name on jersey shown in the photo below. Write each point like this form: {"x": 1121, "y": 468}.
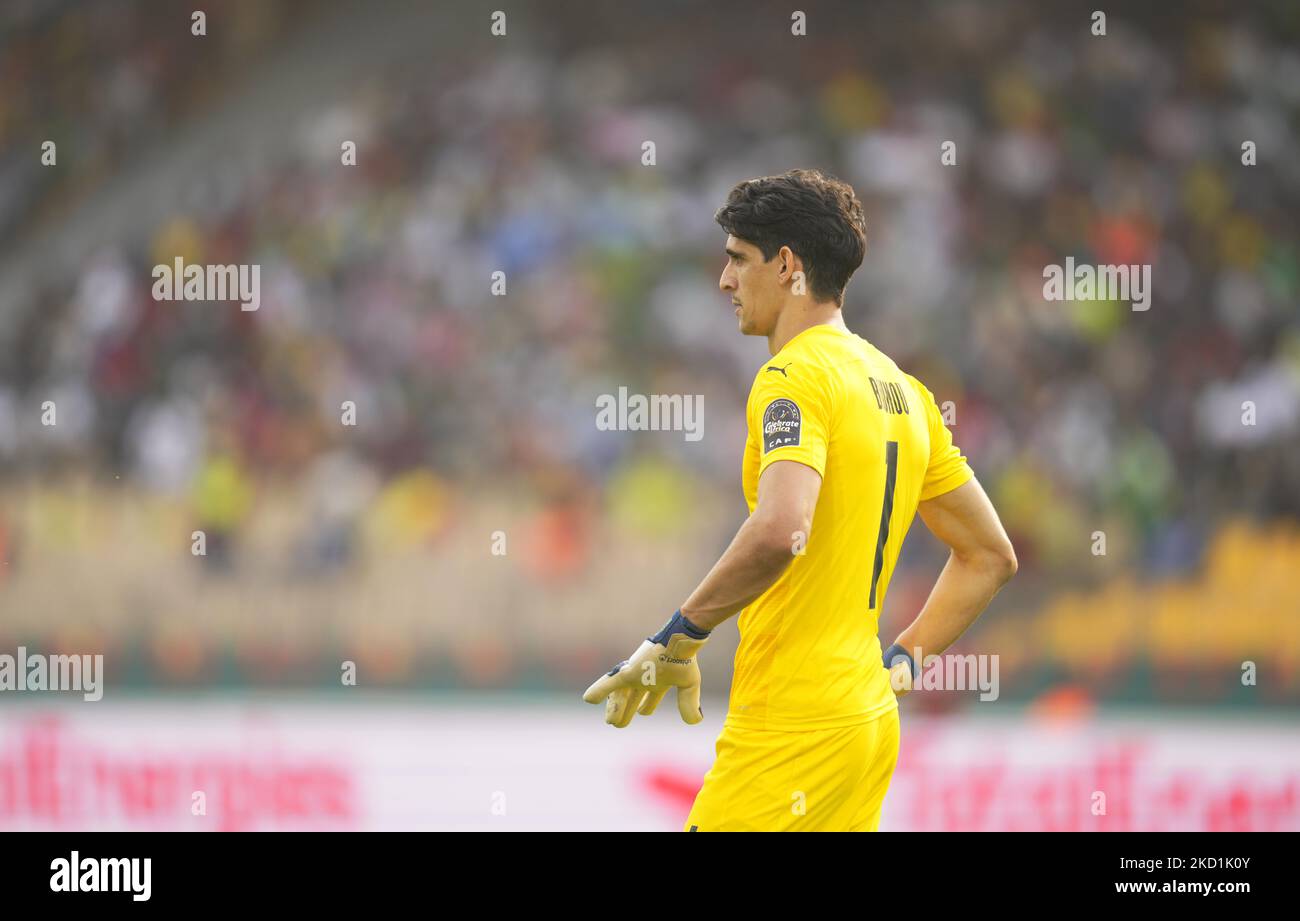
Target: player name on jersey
{"x": 889, "y": 397}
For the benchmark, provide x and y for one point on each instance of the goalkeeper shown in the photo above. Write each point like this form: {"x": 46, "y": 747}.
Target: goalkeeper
{"x": 844, "y": 448}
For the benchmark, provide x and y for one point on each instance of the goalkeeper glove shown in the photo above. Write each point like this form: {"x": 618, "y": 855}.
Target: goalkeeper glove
{"x": 902, "y": 669}
{"x": 665, "y": 660}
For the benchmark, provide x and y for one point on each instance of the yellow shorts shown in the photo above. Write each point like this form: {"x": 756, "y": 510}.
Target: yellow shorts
{"x": 821, "y": 780}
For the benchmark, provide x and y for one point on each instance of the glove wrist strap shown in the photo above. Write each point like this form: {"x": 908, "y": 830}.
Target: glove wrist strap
{"x": 678, "y": 623}
{"x": 896, "y": 653}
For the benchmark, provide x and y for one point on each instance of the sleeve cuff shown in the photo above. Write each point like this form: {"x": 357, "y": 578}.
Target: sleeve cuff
{"x": 950, "y": 482}
{"x": 802, "y": 455}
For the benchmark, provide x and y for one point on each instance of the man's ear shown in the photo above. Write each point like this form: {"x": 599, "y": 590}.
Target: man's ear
{"x": 786, "y": 256}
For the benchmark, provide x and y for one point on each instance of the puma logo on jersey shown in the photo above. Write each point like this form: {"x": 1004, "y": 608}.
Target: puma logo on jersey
{"x": 889, "y": 397}
{"x": 782, "y": 370}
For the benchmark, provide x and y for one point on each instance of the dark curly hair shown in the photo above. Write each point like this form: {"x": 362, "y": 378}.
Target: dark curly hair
{"x": 818, "y": 216}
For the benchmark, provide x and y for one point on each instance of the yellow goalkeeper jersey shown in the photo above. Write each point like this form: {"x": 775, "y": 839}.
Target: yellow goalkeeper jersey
{"x": 809, "y": 656}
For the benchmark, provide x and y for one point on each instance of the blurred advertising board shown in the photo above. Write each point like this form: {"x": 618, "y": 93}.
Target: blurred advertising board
{"x": 495, "y": 763}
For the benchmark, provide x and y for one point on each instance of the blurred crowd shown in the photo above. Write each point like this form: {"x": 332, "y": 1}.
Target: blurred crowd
{"x": 104, "y": 80}
{"x": 1157, "y": 428}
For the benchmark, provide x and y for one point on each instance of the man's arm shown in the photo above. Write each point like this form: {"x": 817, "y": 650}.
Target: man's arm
{"x": 981, "y": 562}
{"x": 762, "y": 548}
{"x": 760, "y": 552}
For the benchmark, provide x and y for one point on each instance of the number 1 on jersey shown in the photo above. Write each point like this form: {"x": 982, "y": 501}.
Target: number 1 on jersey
{"x": 886, "y": 509}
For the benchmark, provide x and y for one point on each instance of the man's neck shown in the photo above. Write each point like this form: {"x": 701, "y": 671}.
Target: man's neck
{"x": 795, "y": 319}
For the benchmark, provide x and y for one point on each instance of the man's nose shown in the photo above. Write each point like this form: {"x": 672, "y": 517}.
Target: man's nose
{"x": 726, "y": 282}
